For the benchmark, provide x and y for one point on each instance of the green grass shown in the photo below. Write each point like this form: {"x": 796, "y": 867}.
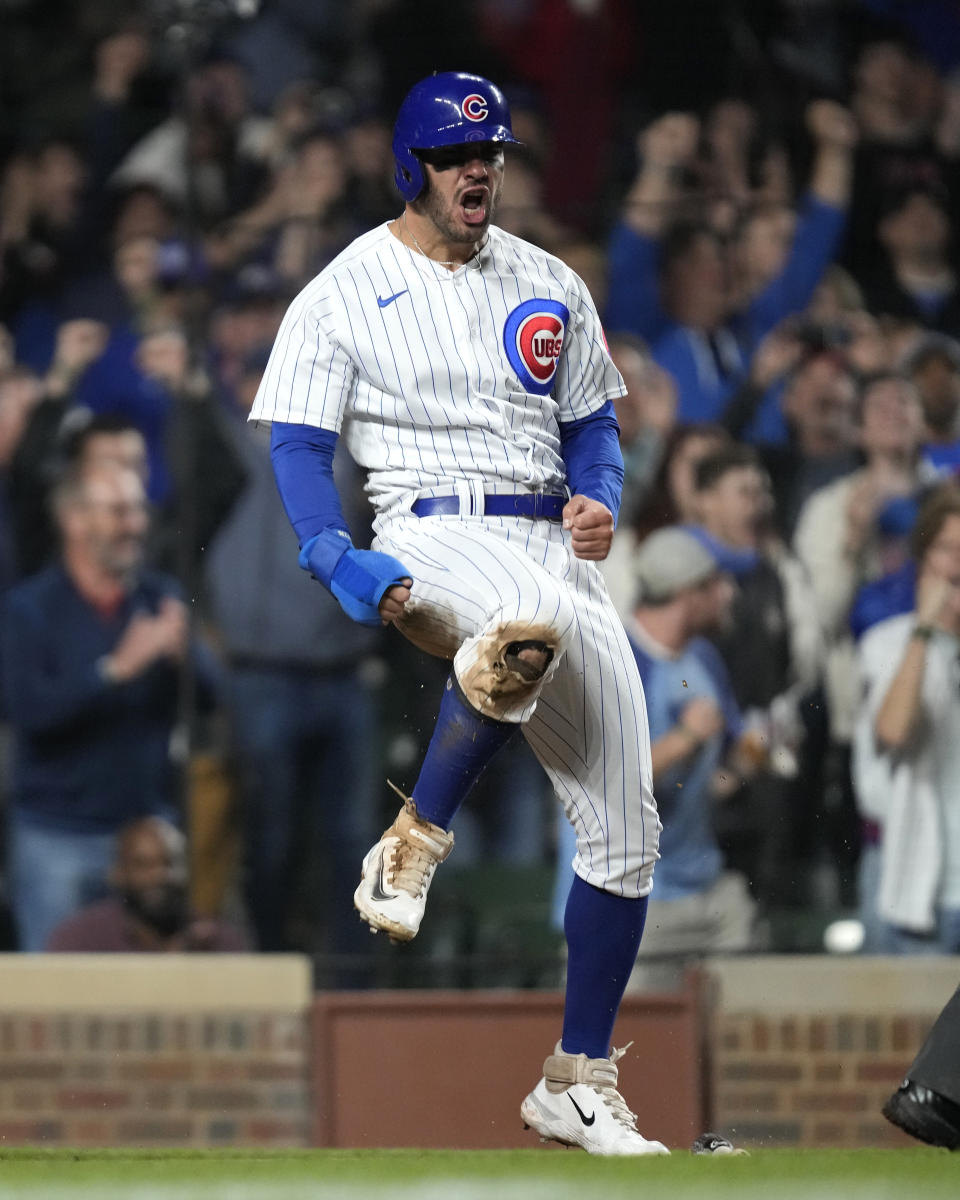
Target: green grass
{"x": 546, "y": 1174}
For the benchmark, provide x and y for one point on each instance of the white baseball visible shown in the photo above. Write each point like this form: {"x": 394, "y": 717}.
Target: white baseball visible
{"x": 843, "y": 937}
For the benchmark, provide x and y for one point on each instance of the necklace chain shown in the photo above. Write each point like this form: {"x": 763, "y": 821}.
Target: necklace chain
{"x": 420, "y": 250}
{"x": 450, "y": 262}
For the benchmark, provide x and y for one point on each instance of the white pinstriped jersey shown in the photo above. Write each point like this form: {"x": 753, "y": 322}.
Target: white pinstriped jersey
{"x": 456, "y": 382}
{"x": 422, "y": 371}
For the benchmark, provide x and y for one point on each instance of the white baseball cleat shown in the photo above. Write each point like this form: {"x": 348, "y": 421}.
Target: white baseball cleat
{"x": 397, "y": 871}
{"x": 577, "y": 1103}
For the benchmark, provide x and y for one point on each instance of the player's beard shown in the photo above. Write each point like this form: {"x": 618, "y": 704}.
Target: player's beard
{"x": 440, "y": 212}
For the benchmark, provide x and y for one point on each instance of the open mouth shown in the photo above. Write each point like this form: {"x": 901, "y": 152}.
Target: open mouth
{"x": 473, "y": 205}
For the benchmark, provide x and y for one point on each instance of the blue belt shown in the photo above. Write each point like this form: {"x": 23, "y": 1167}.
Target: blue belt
{"x": 537, "y": 505}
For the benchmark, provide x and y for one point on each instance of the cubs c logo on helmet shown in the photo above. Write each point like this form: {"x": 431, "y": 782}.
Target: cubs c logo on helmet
{"x": 475, "y": 107}
{"x": 533, "y": 338}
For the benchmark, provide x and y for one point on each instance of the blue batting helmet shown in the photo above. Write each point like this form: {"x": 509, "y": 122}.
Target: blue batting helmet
{"x": 445, "y": 109}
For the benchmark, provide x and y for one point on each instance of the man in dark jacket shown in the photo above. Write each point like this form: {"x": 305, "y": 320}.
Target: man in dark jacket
{"x": 773, "y": 651}
{"x": 89, "y": 667}
{"x": 301, "y": 697}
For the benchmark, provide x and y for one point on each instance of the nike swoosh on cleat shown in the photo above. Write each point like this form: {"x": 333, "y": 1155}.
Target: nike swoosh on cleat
{"x": 377, "y": 892}
{"x": 390, "y": 299}
{"x": 585, "y": 1119}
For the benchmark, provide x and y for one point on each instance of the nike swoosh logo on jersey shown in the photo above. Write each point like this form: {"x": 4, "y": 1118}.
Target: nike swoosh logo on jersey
{"x": 585, "y": 1119}
{"x": 376, "y": 892}
{"x": 390, "y": 299}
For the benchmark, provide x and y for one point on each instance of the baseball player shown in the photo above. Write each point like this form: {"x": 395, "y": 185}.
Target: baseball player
{"x": 467, "y": 372}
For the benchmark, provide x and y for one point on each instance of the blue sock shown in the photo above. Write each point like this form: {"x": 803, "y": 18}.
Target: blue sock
{"x": 462, "y": 744}
{"x": 603, "y": 936}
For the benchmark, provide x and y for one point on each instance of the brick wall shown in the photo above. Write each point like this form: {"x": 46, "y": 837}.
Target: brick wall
{"x": 804, "y": 1051}
{"x": 812, "y": 1081}
{"x": 220, "y": 1051}
{"x": 189, "y": 1080}
{"x": 135, "y": 1072}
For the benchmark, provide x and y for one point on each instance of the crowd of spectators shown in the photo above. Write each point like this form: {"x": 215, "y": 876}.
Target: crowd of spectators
{"x": 761, "y": 197}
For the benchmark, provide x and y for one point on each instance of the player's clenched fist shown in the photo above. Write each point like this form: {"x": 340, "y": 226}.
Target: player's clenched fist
{"x": 393, "y": 600}
{"x": 591, "y": 527}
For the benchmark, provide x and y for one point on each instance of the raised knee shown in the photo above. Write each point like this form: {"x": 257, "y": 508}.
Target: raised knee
{"x": 508, "y": 667}
{"x": 528, "y": 658}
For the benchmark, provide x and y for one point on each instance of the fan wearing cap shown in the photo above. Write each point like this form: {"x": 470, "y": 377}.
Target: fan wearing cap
{"x": 697, "y": 906}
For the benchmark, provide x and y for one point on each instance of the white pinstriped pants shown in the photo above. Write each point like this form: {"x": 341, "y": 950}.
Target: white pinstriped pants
{"x": 588, "y": 725}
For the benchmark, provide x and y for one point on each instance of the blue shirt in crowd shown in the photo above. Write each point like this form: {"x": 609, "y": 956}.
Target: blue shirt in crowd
{"x": 709, "y": 369}
{"x": 690, "y": 858}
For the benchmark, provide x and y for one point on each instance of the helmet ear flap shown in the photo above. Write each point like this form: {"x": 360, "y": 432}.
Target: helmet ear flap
{"x": 408, "y": 176}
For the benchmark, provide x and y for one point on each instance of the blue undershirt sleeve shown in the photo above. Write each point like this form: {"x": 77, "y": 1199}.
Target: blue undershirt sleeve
{"x": 591, "y": 451}
{"x": 302, "y": 458}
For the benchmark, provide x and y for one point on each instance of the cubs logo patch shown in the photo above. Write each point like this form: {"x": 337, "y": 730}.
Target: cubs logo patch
{"x": 474, "y": 107}
{"x": 533, "y": 338}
